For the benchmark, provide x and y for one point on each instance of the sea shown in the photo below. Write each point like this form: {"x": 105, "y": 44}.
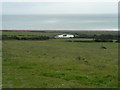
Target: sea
{"x": 60, "y": 22}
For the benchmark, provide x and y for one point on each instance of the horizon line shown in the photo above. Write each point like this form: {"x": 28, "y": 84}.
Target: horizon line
{"x": 68, "y": 30}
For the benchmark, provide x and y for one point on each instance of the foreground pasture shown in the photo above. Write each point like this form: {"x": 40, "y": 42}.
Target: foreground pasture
{"x": 56, "y": 63}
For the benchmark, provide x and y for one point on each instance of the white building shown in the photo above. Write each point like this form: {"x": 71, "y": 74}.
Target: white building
{"x": 64, "y": 36}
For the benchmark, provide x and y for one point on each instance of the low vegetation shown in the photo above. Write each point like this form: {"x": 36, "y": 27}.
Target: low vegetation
{"x": 15, "y": 37}
{"x": 95, "y": 37}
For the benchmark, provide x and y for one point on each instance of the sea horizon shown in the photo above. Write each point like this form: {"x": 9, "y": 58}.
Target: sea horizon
{"x": 95, "y": 22}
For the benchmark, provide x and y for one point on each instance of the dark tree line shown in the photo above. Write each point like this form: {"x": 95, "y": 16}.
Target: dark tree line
{"x": 105, "y": 38}
{"x": 100, "y": 38}
{"x": 83, "y": 36}
{"x": 13, "y": 37}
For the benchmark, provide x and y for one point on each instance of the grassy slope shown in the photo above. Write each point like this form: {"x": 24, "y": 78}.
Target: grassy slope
{"x": 53, "y": 63}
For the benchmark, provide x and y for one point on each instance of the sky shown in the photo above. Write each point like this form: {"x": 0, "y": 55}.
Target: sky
{"x": 59, "y": 7}
{"x": 59, "y": 0}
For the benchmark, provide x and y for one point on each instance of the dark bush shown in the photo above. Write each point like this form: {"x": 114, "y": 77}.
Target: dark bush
{"x": 118, "y": 41}
{"x": 105, "y": 38}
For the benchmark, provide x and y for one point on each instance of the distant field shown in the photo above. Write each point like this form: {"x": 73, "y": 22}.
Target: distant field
{"x": 52, "y": 33}
{"x": 29, "y": 33}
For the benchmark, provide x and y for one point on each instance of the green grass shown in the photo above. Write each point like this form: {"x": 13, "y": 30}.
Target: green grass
{"x": 54, "y": 64}
{"x": 0, "y": 64}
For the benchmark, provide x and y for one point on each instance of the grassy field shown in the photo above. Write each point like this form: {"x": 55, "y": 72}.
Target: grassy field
{"x": 56, "y": 63}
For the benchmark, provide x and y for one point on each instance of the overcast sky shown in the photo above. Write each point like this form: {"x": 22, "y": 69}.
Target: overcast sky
{"x": 59, "y": 0}
{"x": 73, "y": 7}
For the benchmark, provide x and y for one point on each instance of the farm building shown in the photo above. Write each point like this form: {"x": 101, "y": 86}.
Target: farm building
{"x": 64, "y": 36}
